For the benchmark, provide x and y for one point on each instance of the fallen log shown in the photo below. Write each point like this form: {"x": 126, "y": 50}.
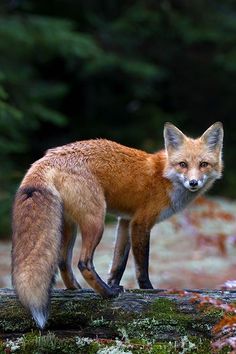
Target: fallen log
{"x": 156, "y": 314}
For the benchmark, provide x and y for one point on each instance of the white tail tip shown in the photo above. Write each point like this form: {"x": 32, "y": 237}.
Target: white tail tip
{"x": 40, "y": 317}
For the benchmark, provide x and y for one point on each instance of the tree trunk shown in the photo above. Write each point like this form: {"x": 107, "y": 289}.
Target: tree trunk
{"x": 149, "y": 314}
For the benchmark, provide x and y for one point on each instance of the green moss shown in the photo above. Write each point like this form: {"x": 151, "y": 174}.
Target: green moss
{"x": 205, "y": 319}
{"x": 100, "y": 322}
{"x": 164, "y": 319}
{"x": 165, "y": 309}
{"x": 36, "y": 343}
{"x": 211, "y": 312}
{"x": 161, "y": 317}
{"x": 186, "y": 345}
{"x": 49, "y": 343}
{"x": 9, "y": 318}
{"x": 74, "y": 313}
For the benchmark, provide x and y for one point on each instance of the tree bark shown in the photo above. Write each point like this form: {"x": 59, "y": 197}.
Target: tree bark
{"x": 155, "y": 314}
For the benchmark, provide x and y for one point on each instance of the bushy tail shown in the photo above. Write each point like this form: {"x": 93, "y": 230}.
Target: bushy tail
{"x": 37, "y": 228}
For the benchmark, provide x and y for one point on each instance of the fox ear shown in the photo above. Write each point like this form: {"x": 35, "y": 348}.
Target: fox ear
{"x": 213, "y": 136}
{"x": 173, "y": 137}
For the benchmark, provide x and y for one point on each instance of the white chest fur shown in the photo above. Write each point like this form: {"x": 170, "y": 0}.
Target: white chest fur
{"x": 180, "y": 197}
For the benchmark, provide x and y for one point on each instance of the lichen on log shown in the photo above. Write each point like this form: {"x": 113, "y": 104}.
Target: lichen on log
{"x": 148, "y": 314}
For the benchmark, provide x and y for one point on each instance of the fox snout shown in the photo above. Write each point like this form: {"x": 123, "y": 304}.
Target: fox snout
{"x": 193, "y": 178}
{"x": 194, "y": 184}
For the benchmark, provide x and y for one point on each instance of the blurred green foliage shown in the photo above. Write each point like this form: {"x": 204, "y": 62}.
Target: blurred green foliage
{"x": 72, "y": 70}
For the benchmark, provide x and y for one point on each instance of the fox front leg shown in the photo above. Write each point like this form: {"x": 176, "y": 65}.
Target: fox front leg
{"x": 140, "y": 241}
{"x": 121, "y": 252}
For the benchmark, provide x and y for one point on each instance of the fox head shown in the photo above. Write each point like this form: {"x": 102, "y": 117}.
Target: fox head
{"x": 194, "y": 163}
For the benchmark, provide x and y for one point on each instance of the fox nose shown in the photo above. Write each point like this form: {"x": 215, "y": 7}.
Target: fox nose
{"x": 193, "y": 183}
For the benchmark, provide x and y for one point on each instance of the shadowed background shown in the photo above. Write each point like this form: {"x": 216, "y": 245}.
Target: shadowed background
{"x": 72, "y": 70}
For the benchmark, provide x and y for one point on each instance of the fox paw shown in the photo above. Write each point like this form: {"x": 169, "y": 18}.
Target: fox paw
{"x": 117, "y": 289}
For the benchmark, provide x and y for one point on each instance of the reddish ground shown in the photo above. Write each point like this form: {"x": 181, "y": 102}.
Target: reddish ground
{"x": 195, "y": 249}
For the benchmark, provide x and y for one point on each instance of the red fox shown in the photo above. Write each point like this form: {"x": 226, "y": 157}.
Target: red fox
{"x": 76, "y": 184}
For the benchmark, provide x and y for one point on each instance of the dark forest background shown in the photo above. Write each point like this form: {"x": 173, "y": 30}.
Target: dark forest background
{"x": 72, "y": 70}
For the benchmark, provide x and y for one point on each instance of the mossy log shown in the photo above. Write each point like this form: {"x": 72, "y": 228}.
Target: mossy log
{"x": 155, "y": 314}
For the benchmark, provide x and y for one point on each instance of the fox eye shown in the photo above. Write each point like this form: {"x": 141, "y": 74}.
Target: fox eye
{"x": 204, "y": 164}
{"x": 183, "y": 164}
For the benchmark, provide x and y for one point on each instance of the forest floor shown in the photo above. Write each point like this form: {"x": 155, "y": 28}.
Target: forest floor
{"x": 194, "y": 249}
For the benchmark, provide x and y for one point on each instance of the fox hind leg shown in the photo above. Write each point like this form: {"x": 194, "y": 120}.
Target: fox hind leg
{"x": 85, "y": 204}
{"x": 91, "y": 236}
{"x": 68, "y": 240}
